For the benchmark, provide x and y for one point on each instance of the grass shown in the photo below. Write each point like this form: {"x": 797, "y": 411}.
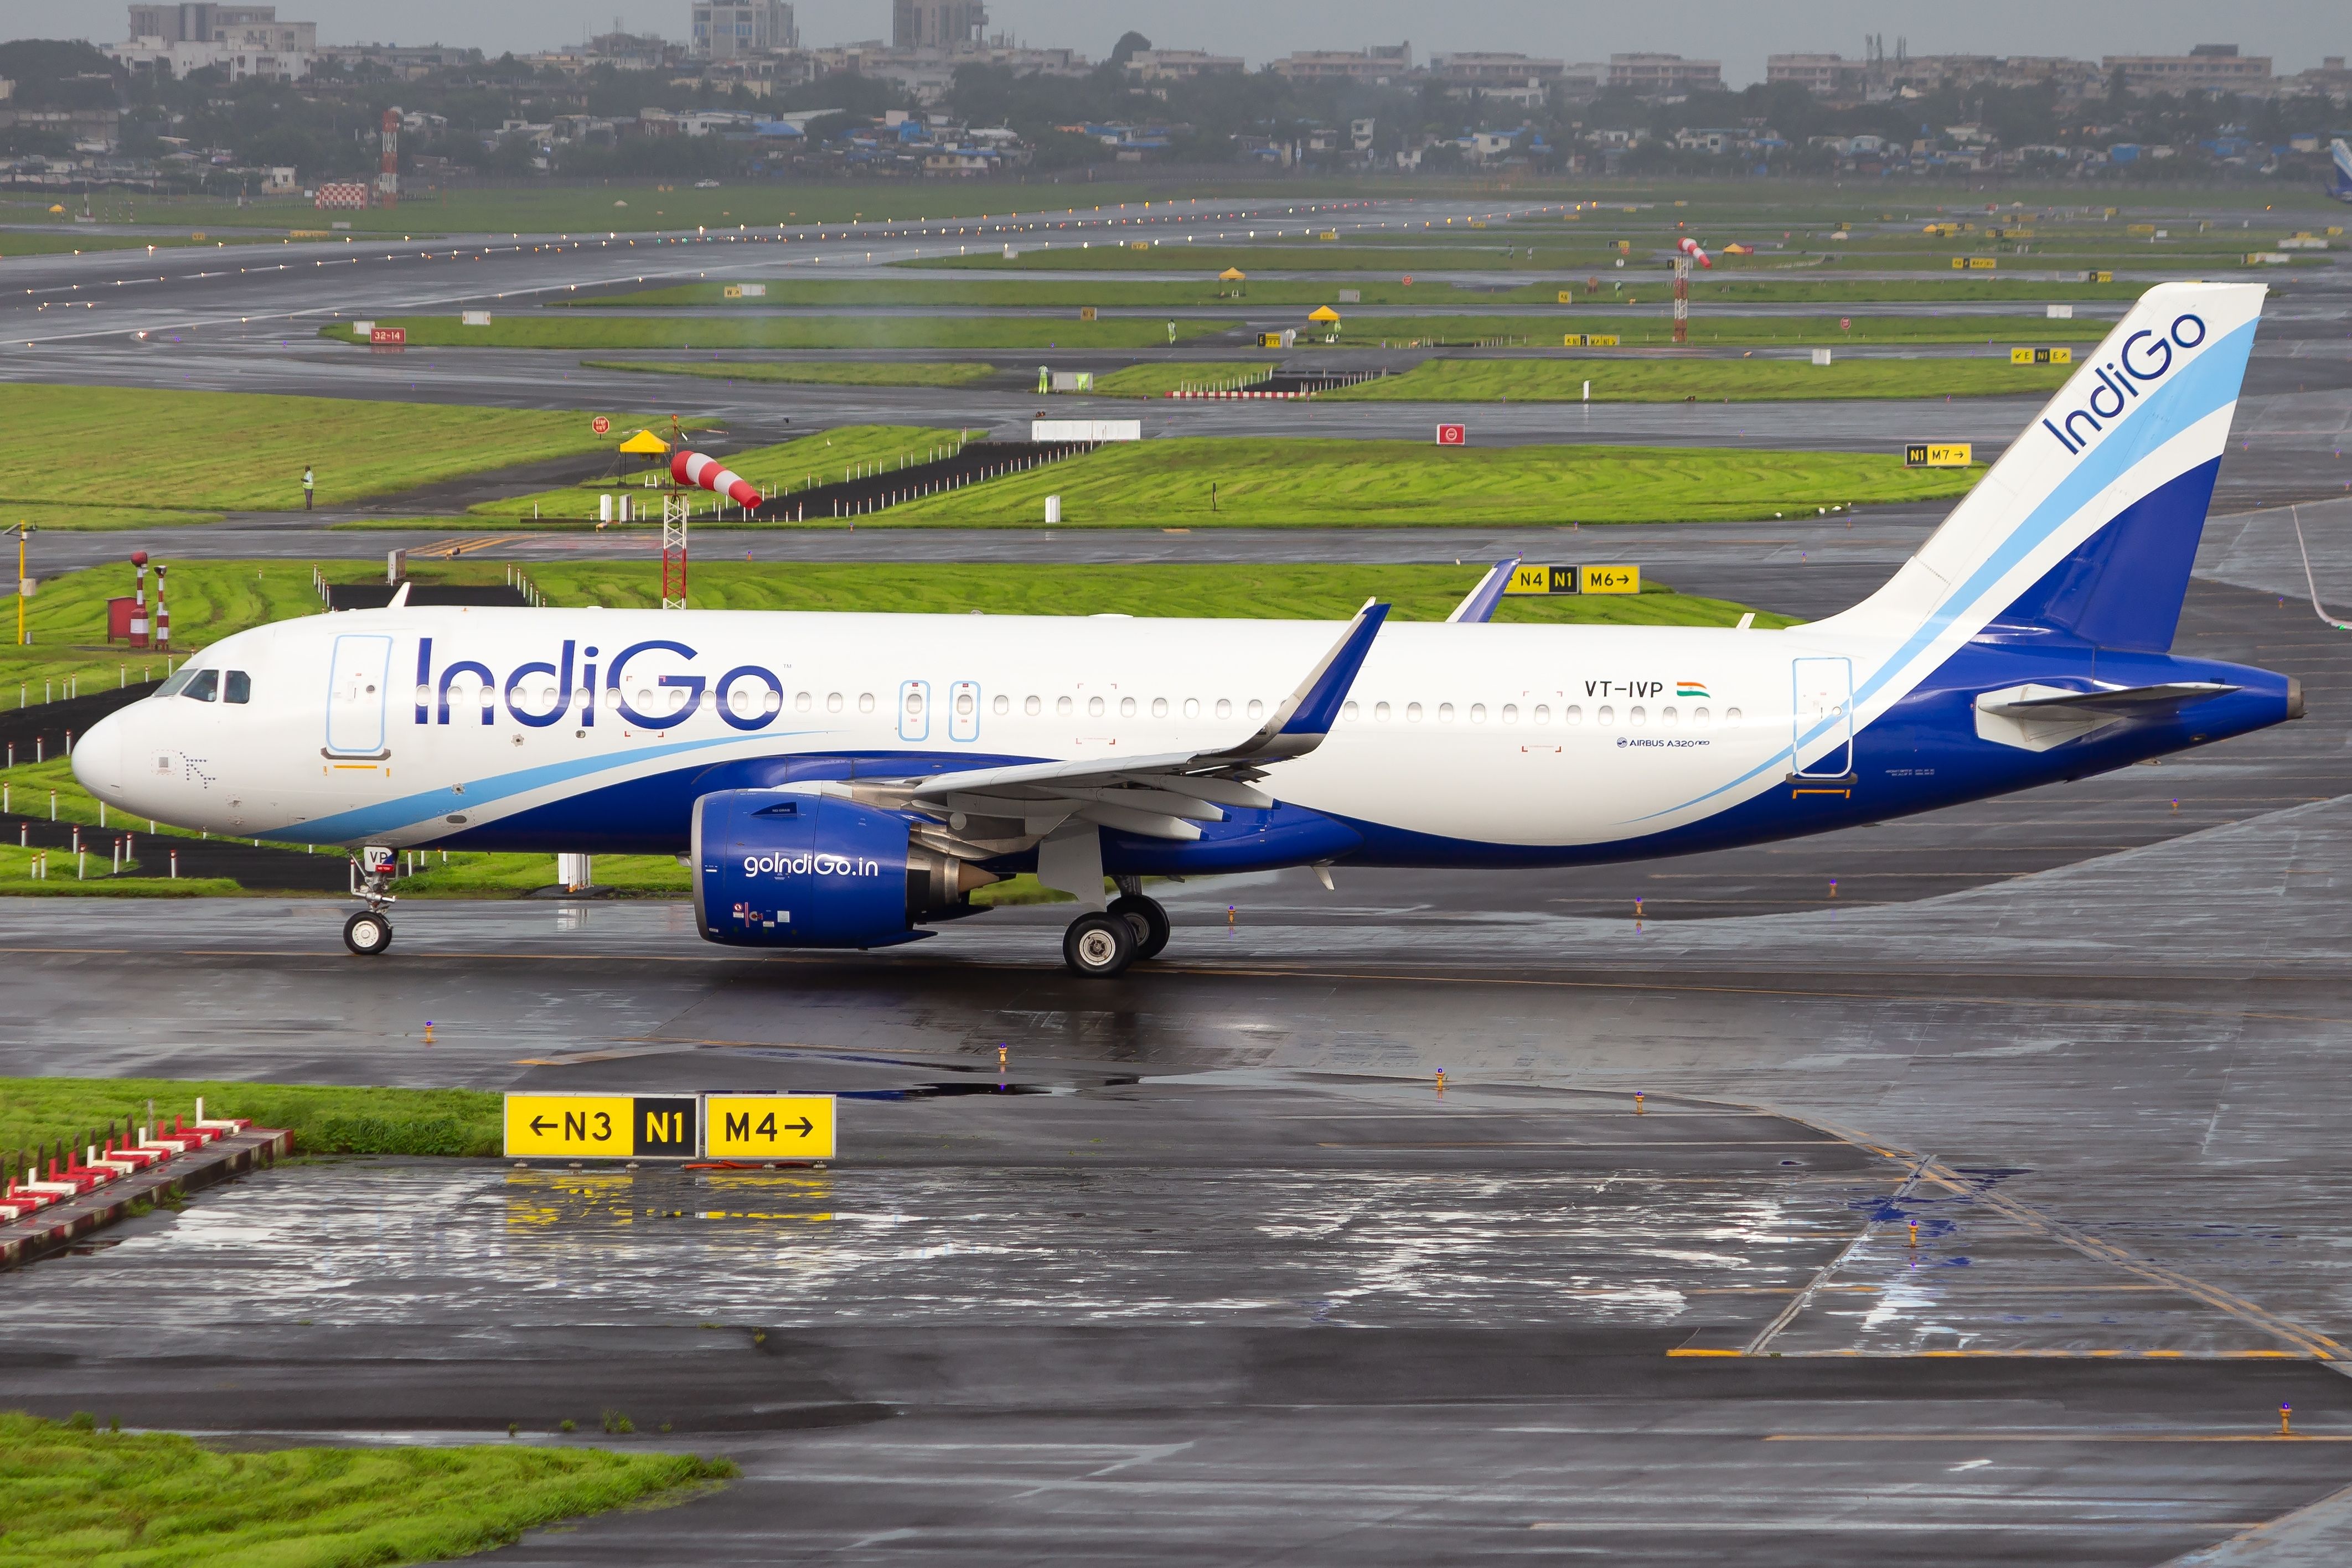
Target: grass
{"x": 822, "y": 459}
{"x": 324, "y": 1119}
{"x": 1259, "y": 292}
{"x": 209, "y": 600}
{"x": 1262, "y": 482}
{"x": 189, "y": 455}
{"x": 820, "y": 373}
{"x": 1653, "y": 327}
{"x": 1377, "y": 252}
{"x": 557, "y": 330}
{"x": 1708, "y": 381}
{"x": 1158, "y": 380}
{"x": 634, "y": 206}
{"x": 73, "y": 1495}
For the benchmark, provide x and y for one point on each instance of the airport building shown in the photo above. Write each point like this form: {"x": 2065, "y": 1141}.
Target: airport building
{"x": 242, "y": 40}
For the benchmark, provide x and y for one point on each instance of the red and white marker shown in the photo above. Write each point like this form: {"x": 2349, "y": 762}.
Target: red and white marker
{"x": 694, "y": 469}
{"x": 600, "y": 424}
{"x": 1454, "y": 436}
{"x": 1691, "y": 248}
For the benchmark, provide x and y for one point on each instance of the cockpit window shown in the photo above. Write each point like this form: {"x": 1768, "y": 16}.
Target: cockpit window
{"x": 205, "y": 687}
{"x": 173, "y": 685}
{"x": 237, "y": 688}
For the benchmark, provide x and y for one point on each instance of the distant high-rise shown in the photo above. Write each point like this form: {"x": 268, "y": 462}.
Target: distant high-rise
{"x": 937, "y": 24}
{"x": 725, "y": 31}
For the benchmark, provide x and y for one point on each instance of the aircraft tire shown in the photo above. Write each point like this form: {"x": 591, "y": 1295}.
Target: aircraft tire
{"x": 1099, "y": 947}
{"x": 1150, "y": 920}
{"x": 367, "y": 933}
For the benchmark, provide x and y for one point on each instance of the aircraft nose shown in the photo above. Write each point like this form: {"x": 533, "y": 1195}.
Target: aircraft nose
{"x": 98, "y": 758}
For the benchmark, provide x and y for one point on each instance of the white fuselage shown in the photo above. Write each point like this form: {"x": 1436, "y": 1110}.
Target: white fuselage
{"x": 1501, "y": 733}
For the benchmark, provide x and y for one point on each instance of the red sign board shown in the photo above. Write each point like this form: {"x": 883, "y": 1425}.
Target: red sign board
{"x": 1845, "y": 323}
{"x": 1454, "y": 436}
{"x": 600, "y": 424}
{"x": 396, "y": 336}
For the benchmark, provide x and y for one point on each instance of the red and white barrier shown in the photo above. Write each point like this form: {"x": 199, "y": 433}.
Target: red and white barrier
{"x": 1242, "y": 394}
{"x": 695, "y": 468}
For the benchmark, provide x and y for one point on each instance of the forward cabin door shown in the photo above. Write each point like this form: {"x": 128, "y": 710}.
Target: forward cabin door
{"x": 1825, "y": 717}
{"x": 357, "y": 692}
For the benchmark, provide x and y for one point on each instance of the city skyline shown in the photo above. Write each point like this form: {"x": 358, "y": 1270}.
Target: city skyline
{"x": 2296, "y": 33}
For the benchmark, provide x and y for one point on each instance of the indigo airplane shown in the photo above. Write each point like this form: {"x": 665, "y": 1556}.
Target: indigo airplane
{"x": 2341, "y": 156}
{"x": 840, "y": 780}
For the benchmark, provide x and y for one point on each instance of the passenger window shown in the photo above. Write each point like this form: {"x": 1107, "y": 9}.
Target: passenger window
{"x": 803, "y": 702}
{"x": 1381, "y": 712}
{"x": 1477, "y": 712}
{"x": 1543, "y": 713}
{"x": 1127, "y": 707}
{"x": 1510, "y": 713}
{"x": 1348, "y": 713}
{"x": 865, "y": 702}
{"x": 1446, "y": 713}
{"x": 239, "y": 687}
{"x": 1160, "y": 708}
{"x": 1225, "y": 708}
{"x": 1256, "y": 708}
{"x": 1191, "y": 707}
{"x": 1094, "y": 707}
{"x": 1062, "y": 707}
{"x": 205, "y": 689}
{"x": 965, "y": 705}
{"x": 833, "y": 702}
{"x": 1032, "y": 707}
{"x": 1005, "y": 705}
{"x": 1412, "y": 713}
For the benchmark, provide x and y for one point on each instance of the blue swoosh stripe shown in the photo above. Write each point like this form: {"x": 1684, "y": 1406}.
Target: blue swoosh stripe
{"x": 384, "y": 816}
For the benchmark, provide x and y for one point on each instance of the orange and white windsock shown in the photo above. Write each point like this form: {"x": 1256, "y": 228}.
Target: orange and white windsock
{"x": 694, "y": 469}
{"x": 1691, "y": 248}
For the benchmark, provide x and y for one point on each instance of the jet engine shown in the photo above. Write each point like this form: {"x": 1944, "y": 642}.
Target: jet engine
{"x": 815, "y": 871}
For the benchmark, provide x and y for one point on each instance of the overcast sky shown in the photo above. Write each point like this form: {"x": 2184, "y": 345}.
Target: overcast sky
{"x": 2295, "y": 33}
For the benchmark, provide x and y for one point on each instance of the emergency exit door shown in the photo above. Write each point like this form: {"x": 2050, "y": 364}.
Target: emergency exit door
{"x": 1823, "y": 739}
{"x": 356, "y": 694}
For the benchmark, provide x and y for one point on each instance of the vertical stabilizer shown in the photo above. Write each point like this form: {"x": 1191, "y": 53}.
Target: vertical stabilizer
{"x": 2087, "y": 527}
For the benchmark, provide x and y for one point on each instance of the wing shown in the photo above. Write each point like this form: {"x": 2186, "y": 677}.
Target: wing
{"x": 1480, "y": 603}
{"x": 984, "y": 811}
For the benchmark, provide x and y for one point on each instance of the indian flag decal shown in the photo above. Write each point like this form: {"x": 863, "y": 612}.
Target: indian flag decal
{"x": 1691, "y": 689}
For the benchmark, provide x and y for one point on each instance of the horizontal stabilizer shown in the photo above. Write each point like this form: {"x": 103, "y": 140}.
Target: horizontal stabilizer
{"x": 2111, "y": 699}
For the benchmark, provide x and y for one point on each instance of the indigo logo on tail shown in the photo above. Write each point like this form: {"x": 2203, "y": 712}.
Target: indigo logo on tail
{"x": 2147, "y": 357}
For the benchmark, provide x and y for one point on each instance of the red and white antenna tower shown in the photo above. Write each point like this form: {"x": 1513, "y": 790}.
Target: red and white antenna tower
{"x": 163, "y": 614}
{"x": 1691, "y": 251}
{"x": 387, "y": 183}
{"x": 138, "y": 605}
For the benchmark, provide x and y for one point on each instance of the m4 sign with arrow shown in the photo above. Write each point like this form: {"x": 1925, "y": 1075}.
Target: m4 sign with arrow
{"x": 768, "y": 1126}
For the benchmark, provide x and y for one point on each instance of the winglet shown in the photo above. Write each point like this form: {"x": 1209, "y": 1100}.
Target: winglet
{"x": 1301, "y": 720}
{"x": 1480, "y": 604}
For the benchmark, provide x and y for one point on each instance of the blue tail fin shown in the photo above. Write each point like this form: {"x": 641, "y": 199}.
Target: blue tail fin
{"x": 2122, "y": 587}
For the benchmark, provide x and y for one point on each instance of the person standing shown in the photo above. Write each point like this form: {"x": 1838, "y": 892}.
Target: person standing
{"x": 306, "y": 487}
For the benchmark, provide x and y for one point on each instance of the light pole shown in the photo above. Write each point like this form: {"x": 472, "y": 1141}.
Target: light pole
{"x": 24, "y": 530}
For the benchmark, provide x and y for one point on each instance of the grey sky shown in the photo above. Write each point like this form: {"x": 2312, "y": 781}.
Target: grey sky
{"x": 1739, "y": 33}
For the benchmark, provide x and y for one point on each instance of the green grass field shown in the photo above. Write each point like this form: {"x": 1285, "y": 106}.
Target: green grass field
{"x": 76, "y": 1495}
{"x": 811, "y": 373}
{"x": 329, "y": 1119}
{"x": 1158, "y": 380}
{"x": 1652, "y": 326}
{"x": 1267, "y": 483}
{"x": 134, "y": 454}
{"x": 1260, "y": 292}
{"x": 557, "y": 330}
{"x": 208, "y": 599}
{"x": 827, "y": 458}
{"x": 1707, "y": 380}
{"x": 635, "y": 206}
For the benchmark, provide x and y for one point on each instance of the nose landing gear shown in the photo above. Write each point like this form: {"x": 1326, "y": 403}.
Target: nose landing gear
{"x": 368, "y": 933}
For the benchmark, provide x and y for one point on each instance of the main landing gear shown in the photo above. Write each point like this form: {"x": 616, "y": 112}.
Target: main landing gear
{"x": 368, "y": 933}
{"x": 1102, "y": 946}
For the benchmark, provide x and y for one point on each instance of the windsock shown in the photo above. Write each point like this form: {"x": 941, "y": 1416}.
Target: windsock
{"x": 694, "y": 469}
{"x": 1690, "y": 247}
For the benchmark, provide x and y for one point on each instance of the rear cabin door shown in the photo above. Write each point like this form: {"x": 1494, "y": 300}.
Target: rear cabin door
{"x": 356, "y": 695}
{"x": 1825, "y": 717}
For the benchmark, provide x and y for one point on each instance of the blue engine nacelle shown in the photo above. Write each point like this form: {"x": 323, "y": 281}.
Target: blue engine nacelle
{"x": 773, "y": 870}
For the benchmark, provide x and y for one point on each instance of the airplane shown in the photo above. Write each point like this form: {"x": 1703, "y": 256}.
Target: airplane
{"x": 848, "y": 780}
{"x": 2342, "y": 189}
